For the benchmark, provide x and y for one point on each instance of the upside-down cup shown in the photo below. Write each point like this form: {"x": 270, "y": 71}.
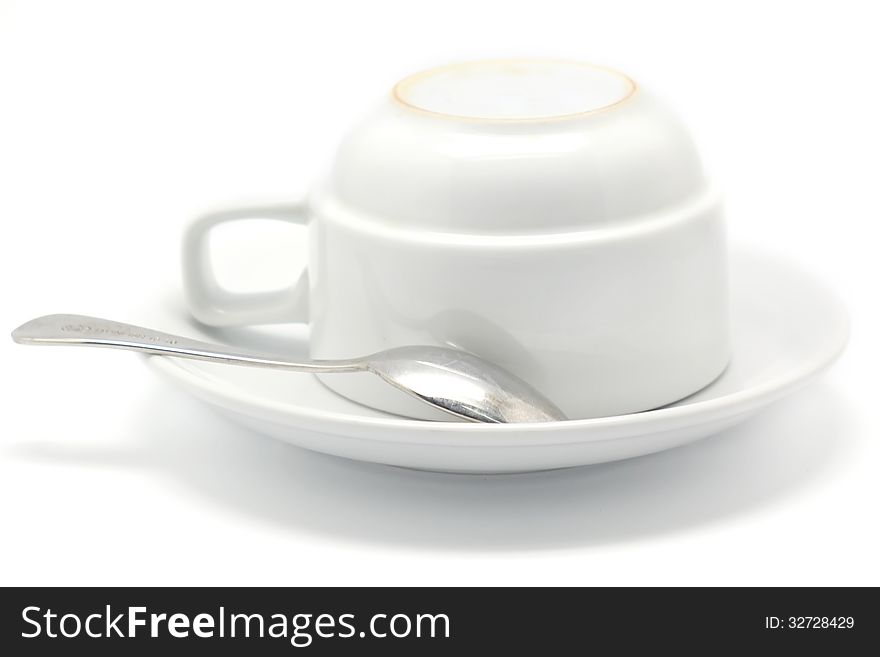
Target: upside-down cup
{"x": 551, "y": 217}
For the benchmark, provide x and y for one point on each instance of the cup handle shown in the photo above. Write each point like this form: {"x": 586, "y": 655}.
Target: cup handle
{"x": 210, "y": 303}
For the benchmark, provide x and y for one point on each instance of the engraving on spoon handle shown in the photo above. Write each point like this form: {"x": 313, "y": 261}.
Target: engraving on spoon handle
{"x": 80, "y": 330}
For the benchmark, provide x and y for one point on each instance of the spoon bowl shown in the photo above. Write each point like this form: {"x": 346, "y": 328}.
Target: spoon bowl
{"x": 462, "y": 384}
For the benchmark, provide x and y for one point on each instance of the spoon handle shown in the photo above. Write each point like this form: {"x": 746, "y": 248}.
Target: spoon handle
{"x": 83, "y": 331}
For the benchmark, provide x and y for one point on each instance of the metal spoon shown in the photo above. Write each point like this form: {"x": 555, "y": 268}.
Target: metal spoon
{"x": 453, "y": 381}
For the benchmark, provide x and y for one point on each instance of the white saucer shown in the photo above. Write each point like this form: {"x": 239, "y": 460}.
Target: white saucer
{"x": 786, "y": 328}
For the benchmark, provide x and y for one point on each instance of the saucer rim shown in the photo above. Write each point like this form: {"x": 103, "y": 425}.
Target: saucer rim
{"x": 580, "y": 430}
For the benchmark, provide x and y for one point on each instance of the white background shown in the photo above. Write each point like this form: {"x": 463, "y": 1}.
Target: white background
{"x": 118, "y": 120}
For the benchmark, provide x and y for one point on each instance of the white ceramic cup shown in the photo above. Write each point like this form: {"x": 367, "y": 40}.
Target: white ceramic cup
{"x": 551, "y": 217}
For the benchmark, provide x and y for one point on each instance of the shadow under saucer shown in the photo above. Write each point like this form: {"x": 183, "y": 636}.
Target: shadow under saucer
{"x": 794, "y": 444}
